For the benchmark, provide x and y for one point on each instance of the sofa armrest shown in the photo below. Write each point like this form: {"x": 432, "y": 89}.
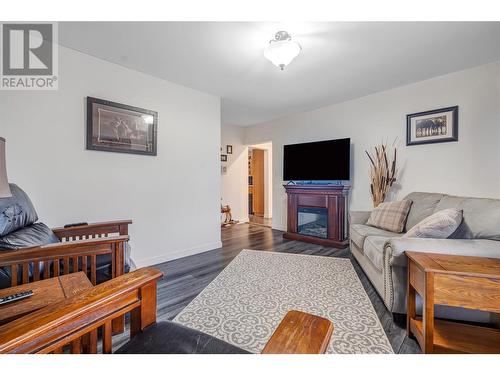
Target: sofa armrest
{"x": 395, "y": 247}
{"x": 359, "y": 217}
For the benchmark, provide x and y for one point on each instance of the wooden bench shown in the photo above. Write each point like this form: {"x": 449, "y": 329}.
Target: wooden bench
{"x": 77, "y": 251}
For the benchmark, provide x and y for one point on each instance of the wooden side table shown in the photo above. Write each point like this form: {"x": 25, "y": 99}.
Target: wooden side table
{"x": 45, "y": 292}
{"x": 459, "y": 281}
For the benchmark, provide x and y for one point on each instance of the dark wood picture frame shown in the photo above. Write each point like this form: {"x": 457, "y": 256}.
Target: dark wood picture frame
{"x": 223, "y": 158}
{"x": 453, "y": 137}
{"x": 229, "y": 149}
{"x": 93, "y": 143}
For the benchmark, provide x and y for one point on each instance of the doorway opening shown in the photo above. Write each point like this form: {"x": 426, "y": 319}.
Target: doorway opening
{"x": 260, "y": 179}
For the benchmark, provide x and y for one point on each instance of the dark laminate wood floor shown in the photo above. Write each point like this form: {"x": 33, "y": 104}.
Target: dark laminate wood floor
{"x": 186, "y": 277}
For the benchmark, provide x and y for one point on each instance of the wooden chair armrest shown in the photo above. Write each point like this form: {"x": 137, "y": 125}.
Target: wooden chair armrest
{"x": 300, "y": 333}
{"x": 73, "y": 320}
{"x": 93, "y": 230}
{"x": 89, "y": 247}
{"x": 63, "y": 258}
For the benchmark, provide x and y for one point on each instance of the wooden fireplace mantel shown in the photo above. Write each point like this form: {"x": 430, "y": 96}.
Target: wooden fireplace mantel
{"x": 334, "y": 198}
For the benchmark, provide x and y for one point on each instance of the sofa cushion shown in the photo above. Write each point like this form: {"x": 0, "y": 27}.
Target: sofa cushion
{"x": 16, "y": 212}
{"x": 481, "y": 217}
{"x": 424, "y": 204}
{"x": 173, "y": 338}
{"x": 359, "y": 232}
{"x": 33, "y": 235}
{"x": 441, "y": 224}
{"x": 390, "y": 216}
{"x": 374, "y": 250}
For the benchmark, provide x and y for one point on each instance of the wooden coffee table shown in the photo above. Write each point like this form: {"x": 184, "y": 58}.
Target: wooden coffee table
{"x": 452, "y": 280}
{"x": 45, "y": 292}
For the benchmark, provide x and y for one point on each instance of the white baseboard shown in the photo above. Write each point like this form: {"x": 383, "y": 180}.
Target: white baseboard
{"x": 239, "y": 220}
{"x": 279, "y": 227}
{"x": 146, "y": 262}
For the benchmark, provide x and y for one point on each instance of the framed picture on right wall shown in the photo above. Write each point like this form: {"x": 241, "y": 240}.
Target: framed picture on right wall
{"x": 436, "y": 126}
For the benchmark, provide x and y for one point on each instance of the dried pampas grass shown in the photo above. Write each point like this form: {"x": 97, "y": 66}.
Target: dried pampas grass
{"x": 382, "y": 173}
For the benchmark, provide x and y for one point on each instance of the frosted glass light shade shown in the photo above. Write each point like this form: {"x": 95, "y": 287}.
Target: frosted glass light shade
{"x": 282, "y": 52}
{"x": 4, "y": 183}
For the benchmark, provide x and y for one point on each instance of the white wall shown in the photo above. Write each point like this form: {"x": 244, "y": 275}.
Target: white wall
{"x": 234, "y": 188}
{"x": 173, "y": 198}
{"x": 469, "y": 167}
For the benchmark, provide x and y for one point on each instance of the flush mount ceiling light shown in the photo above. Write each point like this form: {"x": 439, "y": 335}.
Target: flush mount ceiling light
{"x": 282, "y": 49}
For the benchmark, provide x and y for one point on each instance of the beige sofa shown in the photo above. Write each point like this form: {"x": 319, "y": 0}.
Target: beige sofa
{"x": 381, "y": 253}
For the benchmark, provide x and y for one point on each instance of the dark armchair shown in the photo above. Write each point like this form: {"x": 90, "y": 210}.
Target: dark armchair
{"x": 30, "y": 251}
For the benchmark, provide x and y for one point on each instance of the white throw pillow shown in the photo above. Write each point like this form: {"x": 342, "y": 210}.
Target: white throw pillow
{"x": 442, "y": 224}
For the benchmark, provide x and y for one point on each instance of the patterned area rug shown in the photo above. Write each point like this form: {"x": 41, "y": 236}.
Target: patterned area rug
{"x": 246, "y": 302}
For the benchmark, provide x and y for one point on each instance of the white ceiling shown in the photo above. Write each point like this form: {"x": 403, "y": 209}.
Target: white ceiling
{"x": 339, "y": 60}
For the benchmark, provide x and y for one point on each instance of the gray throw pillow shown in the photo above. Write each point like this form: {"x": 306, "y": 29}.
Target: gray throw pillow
{"x": 442, "y": 224}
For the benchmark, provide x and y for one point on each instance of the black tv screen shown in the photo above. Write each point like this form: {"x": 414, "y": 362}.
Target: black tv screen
{"x": 317, "y": 161}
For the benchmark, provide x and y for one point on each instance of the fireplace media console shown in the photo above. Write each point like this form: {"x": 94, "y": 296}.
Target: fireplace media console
{"x": 318, "y": 214}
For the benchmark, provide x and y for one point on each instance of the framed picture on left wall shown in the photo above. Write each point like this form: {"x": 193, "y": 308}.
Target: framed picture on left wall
{"x": 117, "y": 127}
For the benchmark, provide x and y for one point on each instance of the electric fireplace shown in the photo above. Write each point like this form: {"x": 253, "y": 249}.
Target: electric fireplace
{"x": 312, "y": 221}
{"x": 318, "y": 214}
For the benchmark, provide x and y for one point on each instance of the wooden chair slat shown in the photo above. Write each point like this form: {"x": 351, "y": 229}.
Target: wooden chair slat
{"x": 46, "y": 269}
{"x": 76, "y": 346}
{"x": 120, "y": 259}
{"x": 66, "y": 265}
{"x": 75, "y": 264}
{"x": 106, "y": 338}
{"x": 56, "y": 267}
{"x": 36, "y": 271}
{"x": 93, "y": 342}
{"x": 84, "y": 264}
{"x": 113, "y": 264}
{"x": 93, "y": 267}
{"x": 26, "y": 275}
{"x": 13, "y": 274}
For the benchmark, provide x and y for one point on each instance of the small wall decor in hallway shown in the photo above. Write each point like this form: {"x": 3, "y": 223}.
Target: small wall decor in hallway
{"x": 229, "y": 149}
{"x": 117, "y": 127}
{"x": 436, "y": 126}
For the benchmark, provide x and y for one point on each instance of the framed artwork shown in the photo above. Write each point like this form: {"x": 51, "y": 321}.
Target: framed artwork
{"x": 229, "y": 149}
{"x": 436, "y": 126}
{"x": 223, "y": 158}
{"x": 117, "y": 127}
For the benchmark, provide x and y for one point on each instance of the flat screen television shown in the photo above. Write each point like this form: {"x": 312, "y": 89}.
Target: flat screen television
{"x": 317, "y": 161}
